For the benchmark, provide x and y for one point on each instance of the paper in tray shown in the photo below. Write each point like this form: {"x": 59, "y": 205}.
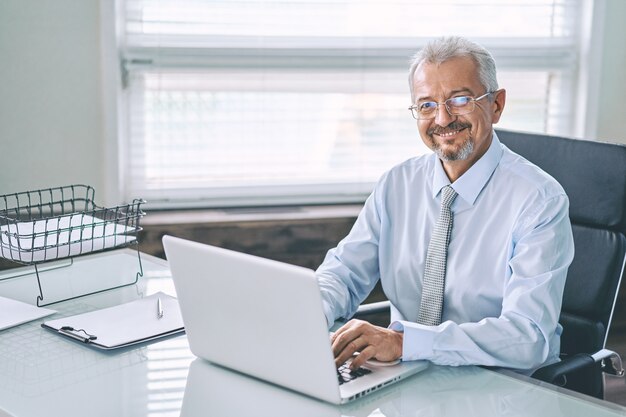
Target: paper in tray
{"x": 61, "y": 237}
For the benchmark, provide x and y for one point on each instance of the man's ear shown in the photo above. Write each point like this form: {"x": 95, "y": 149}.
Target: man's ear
{"x": 497, "y": 106}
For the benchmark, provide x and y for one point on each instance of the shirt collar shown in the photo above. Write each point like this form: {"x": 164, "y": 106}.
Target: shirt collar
{"x": 471, "y": 183}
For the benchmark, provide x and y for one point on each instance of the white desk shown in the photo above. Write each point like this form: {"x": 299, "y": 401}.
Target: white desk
{"x": 42, "y": 374}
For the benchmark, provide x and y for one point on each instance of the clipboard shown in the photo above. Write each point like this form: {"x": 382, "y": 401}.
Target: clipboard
{"x": 147, "y": 319}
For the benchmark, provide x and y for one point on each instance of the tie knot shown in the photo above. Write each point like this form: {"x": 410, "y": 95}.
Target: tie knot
{"x": 447, "y": 196}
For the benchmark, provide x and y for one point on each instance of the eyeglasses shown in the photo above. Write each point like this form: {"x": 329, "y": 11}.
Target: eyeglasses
{"x": 455, "y": 106}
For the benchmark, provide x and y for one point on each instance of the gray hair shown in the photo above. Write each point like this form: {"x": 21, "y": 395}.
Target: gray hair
{"x": 443, "y": 49}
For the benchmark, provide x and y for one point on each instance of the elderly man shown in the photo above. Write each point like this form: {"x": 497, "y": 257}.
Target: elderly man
{"x": 471, "y": 243}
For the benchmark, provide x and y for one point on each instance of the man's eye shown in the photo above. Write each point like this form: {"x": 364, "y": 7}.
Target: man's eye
{"x": 459, "y": 101}
{"x": 429, "y": 105}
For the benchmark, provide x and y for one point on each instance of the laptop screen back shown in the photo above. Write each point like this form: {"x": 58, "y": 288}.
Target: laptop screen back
{"x": 254, "y": 315}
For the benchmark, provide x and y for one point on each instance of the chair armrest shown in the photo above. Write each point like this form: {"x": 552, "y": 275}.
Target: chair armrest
{"x": 372, "y": 308}
{"x": 557, "y": 372}
{"x": 609, "y": 361}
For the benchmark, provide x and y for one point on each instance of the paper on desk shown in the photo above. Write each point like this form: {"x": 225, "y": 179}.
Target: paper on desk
{"x": 52, "y": 238}
{"x": 14, "y": 313}
{"x": 126, "y": 324}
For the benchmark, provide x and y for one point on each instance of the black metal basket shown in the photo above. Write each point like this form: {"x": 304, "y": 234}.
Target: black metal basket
{"x": 63, "y": 222}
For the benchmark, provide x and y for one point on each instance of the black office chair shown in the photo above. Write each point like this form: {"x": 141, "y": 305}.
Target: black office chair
{"x": 593, "y": 175}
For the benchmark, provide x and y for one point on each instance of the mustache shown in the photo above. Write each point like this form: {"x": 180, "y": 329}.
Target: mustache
{"x": 438, "y": 130}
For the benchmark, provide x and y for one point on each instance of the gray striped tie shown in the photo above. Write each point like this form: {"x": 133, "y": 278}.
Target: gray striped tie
{"x": 436, "y": 257}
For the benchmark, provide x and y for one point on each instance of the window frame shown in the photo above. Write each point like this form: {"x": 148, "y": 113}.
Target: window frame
{"x": 537, "y": 54}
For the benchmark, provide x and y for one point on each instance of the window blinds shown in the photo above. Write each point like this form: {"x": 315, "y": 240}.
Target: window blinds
{"x": 255, "y": 102}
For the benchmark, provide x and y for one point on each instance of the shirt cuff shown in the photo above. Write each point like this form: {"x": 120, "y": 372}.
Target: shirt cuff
{"x": 418, "y": 340}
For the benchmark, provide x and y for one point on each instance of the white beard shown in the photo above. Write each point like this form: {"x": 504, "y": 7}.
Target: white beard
{"x": 461, "y": 155}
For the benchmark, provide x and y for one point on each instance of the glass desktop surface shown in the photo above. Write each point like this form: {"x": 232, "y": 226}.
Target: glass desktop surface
{"x": 42, "y": 374}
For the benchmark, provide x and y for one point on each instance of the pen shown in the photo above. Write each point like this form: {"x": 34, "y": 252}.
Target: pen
{"x": 159, "y": 308}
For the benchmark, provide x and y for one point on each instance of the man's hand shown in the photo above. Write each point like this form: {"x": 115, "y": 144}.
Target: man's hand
{"x": 371, "y": 341}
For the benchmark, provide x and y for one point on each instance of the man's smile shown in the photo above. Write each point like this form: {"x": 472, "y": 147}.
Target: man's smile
{"x": 449, "y": 134}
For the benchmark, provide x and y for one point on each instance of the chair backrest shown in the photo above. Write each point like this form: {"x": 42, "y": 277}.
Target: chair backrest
{"x": 593, "y": 175}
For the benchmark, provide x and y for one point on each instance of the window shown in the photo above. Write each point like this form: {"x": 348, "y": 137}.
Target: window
{"x": 264, "y": 102}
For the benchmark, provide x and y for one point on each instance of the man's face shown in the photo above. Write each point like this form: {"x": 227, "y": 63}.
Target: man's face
{"x": 457, "y": 139}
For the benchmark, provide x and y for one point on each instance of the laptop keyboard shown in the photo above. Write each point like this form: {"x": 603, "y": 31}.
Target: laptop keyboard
{"x": 345, "y": 374}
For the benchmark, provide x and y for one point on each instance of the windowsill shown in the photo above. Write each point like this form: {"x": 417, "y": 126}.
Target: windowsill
{"x": 257, "y": 214}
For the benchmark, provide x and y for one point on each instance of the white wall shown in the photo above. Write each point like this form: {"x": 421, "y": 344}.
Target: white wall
{"x": 52, "y": 129}
{"x": 50, "y": 94}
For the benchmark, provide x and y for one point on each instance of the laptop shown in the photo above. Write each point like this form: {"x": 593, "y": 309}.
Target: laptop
{"x": 265, "y": 319}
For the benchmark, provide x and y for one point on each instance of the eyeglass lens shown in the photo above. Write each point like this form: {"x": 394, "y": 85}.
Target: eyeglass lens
{"x": 454, "y": 105}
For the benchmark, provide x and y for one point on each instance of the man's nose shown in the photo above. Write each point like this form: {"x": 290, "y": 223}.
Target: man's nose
{"x": 442, "y": 116}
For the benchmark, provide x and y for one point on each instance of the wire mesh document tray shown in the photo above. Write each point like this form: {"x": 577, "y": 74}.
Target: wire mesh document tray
{"x": 52, "y": 224}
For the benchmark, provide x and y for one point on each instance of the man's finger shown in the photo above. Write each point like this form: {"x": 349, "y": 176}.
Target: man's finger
{"x": 359, "y": 360}
{"x": 349, "y": 350}
{"x": 345, "y": 335}
{"x": 349, "y": 325}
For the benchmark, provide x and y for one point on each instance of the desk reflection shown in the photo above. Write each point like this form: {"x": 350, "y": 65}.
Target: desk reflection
{"x": 215, "y": 391}
{"x": 438, "y": 391}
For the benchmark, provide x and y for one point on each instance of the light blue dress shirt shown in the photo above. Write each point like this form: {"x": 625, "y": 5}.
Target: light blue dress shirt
{"x": 508, "y": 256}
